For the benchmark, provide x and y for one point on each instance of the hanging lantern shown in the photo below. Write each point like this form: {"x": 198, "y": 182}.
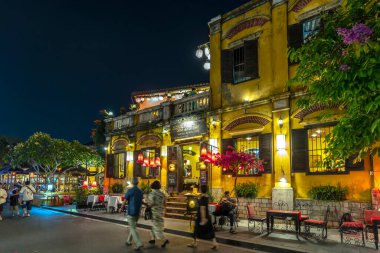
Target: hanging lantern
{"x": 152, "y": 163}
{"x": 203, "y": 152}
{"x": 85, "y": 183}
{"x": 146, "y": 161}
{"x": 158, "y": 162}
{"x": 140, "y": 158}
{"x": 93, "y": 184}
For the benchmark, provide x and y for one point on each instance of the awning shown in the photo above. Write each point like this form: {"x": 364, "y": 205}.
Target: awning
{"x": 5, "y": 170}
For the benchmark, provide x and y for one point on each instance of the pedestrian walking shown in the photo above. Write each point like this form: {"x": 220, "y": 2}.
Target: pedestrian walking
{"x": 156, "y": 201}
{"x": 3, "y": 199}
{"x": 203, "y": 228}
{"x": 14, "y": 201}
{"x": 133, "y": 197}
{"x": 27, "y": 192}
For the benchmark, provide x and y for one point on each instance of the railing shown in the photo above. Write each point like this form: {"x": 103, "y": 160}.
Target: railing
{"x": 123, "y": 121}
{"x": 199, "y": 102}
{"x": 150, "y": 115}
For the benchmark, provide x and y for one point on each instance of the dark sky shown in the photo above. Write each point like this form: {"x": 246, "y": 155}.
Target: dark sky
{"x": 61, "y": 61}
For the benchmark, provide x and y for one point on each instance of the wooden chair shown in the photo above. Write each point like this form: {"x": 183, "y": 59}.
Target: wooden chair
{"x": 252, "y": 219}
{"x": 319, "y": 224}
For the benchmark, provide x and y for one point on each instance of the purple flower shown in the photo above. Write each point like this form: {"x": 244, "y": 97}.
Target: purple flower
{"x": 344, "y": 53}
{"x": 360, "y": 33}
{"x": 344, "y": 67}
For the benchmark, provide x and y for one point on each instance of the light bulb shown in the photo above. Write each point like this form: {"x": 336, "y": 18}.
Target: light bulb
{"x": 199, "y": 53}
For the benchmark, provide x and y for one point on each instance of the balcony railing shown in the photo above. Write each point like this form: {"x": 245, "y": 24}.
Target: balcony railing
{"x": 191, "y": 104}
{"x": 152, "y": 114}
{"x": 123, "y": 121}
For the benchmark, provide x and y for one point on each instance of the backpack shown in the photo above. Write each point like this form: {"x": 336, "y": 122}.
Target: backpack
{"x": 346, "y": 217}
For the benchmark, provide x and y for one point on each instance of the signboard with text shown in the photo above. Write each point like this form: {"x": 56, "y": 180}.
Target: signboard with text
{"x": 188, "y": 128}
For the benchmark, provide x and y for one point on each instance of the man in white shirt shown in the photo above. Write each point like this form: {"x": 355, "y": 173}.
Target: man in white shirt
{"x": 3, "y": 199}
{"x": 27, "y": 192}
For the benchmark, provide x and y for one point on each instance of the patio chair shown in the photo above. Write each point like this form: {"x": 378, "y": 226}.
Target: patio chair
{"x": 319, "y": 224}
{"x": 100, "y": 204}
{"x": 282, "y": 205}
{"x": 252, "y": 219}
{"x": 351, "y": 230}
{"x": 368, "y": 226}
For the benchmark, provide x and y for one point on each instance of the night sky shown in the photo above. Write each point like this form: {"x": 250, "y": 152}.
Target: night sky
{"x": 63, "y": 61}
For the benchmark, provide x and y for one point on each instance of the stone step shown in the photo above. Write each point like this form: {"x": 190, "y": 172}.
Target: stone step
{"x": 180, "y": 216}
{"x": 172, "y": 203}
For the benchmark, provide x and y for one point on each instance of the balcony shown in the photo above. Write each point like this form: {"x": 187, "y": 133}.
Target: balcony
{"x": 150, "y": 115}
{"x": 192, "y": 104}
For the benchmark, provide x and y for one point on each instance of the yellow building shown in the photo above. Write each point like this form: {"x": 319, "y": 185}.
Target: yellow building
{"x": 256, "y": 111}
{"x": 247, "y": 104}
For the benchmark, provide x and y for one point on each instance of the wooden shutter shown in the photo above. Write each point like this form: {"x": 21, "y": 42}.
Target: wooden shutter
{"x": 295, "y": 35}
{"x": 351, "y": 166}
{"x": 110, "y": 165}
{"x": 265, "y": 151}
{"x": 251, "y": 58}
{"x": 227, "y": 66}
{"x": 137, "y": 167}
{"x": 226, "y": 143}
{"x": 300, "y": 156}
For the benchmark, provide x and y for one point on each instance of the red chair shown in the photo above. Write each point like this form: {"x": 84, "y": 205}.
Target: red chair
{"x": 319, "y": 224}
{"x": 66, "y": 200}
{"x": 100, "y": 204}
{"x": 351, "y": 229}
{"x": 368, "y": 226}
{"x": 252, "y": 219}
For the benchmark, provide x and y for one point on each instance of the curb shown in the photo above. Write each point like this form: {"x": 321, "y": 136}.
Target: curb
{"x": 232, "y": 242}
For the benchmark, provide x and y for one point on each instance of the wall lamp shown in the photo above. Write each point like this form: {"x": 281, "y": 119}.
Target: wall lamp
{"x": 280, "y": 138}
{"x": 280, "y": 122}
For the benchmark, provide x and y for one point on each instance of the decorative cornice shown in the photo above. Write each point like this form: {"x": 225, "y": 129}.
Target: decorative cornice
{"x": 247, "y": 119}
{"x": 298, "y": 5}
{"x": 259, "y": 20}
{"x": 243, "y": 9}
{"x": 215, "y": 24}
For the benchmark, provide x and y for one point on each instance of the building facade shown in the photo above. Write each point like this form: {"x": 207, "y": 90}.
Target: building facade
{"x": 247, "y": 104}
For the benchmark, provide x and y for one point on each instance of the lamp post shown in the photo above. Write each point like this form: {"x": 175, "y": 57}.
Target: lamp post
{"x": 203, "y": 51}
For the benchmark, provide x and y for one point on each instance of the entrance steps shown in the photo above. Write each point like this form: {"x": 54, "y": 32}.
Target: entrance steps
{"x": 176, "y": 207}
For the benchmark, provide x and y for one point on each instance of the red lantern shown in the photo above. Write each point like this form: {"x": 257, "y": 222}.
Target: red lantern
{"x": 85, "y": 183}
{"x": 146, "y": 161}
{"x": 203, "y": 152}
{"x": 158, "y": 161}
{"x": 140, "y": 158}
{"x": 152, "y": 163}
{"x": 93, "y": 184}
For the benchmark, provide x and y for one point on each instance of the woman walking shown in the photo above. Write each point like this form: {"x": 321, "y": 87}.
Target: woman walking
{"x": 203, "y": 228}
{"x": 156, "y": 201}
{"x": 3, "y": 199}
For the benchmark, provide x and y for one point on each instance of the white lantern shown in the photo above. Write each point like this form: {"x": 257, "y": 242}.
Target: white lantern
{"x": 206, "y": 66}
{"x": 138, "y": 100}
{"x": 199, "y": 53}
{"x": 207, "y": 52}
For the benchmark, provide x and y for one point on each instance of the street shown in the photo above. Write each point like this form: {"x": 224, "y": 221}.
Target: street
{"x": 52, "y": 232}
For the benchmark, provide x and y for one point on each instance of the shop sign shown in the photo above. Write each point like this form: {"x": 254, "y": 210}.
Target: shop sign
{"x": 188, "y": 128}
{"x": 203, "y": 177}
{"x": 172, "y": 178}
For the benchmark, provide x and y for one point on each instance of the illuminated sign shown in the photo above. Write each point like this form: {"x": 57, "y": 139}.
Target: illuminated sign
{"x": 188, "y": 128}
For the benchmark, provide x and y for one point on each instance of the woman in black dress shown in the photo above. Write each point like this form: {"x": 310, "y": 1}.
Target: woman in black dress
{"x": 203, "y": 228}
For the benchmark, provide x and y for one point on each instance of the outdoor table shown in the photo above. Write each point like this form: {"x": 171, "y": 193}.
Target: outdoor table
{"x": 113, "y": 201}
{"x": 376, "y": 222}
{"x": 93, "y": 199}
{"x": 295, "y": 215}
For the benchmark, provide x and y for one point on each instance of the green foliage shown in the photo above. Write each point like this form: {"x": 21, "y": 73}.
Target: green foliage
{"x": 145, "y": 188}
{"x": 117, "y": 188}
{"x": 328, "y": 192}
{"x": 247, "y": 190}
{"x": 81, "y": 195}
{"x": 348, "y": 74}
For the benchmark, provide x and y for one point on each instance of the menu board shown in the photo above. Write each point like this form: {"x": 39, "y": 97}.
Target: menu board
{"x": 188, "y": 128}
{"x": 172, "y": 178}
{"x": 203, "y": 177}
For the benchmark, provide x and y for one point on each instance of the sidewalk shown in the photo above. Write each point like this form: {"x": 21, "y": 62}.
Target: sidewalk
{"x": 278, "y": 241}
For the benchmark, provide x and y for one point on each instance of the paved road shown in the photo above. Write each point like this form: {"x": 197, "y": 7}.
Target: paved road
{"x": 52, "y": 232}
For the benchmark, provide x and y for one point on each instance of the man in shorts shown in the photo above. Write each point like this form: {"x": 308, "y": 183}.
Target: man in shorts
{"x": 27, "y": 192}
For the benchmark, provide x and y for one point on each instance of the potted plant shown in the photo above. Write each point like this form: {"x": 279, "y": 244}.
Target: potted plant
{"x": 81, "y": 197}
{"x": 117, "y": 188}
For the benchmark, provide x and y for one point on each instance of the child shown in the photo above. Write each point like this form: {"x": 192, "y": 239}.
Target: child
{"x": 14, "y": 202}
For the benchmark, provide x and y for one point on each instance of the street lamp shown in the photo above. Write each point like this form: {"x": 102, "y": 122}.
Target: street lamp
{"x": 204, "y": 50}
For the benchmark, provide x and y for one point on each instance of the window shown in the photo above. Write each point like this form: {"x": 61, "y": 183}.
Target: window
{"x": 261, "y": 145}
{"x": 151, "y": 166}
{"x": 317, "y": 150}
{"x": 300, "y": 33}
{"x": 240, "y": 64}
{"x": 119, "y": 168}
{"x": 309, "y": 151}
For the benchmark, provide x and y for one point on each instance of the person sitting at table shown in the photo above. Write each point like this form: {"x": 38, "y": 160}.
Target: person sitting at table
{"x": 229, "y": 205}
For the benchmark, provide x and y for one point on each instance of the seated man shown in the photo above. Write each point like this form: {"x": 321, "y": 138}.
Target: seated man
{"x": 228, "y": 208}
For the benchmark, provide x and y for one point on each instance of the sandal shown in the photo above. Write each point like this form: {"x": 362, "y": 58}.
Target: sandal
{"x": 192, "y": 245}
{"x": 215, "y": 247}
{"x": 164, "y": 244}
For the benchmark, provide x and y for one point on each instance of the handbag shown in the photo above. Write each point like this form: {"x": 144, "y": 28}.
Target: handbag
{"x": 148, "y": 213}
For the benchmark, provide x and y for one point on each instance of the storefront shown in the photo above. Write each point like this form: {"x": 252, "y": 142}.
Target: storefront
{"x": 184, "y": 164}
